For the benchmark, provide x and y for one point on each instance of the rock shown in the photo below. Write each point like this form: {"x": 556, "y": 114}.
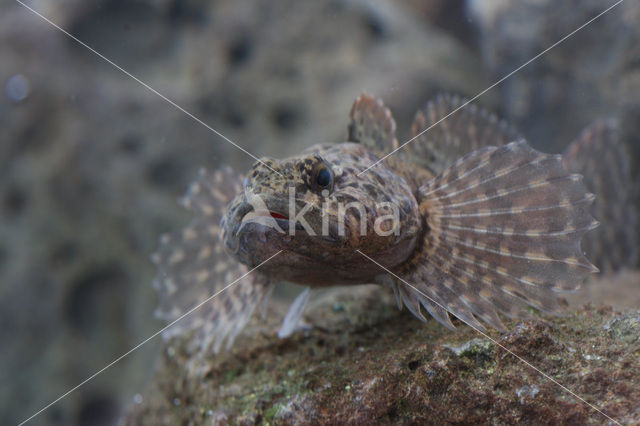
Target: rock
{"x": 527, "y": 392}
{"x": 592, "y": 74}
{"x": 625, "y": 328}
{"x": 475, "y": 348}
{"x": 621, "y": 290}
{"x": 92, "y": 162}
{"x": 398, "y": 370}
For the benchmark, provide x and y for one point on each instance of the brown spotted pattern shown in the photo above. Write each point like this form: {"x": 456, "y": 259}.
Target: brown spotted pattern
{"x": 307, "y": 259}
{"x": 600, "y": 155}
{"x": 505, "y": 225}
{"x": 193, "y": 266}
{"x": 372, "y": 124}
{"x": 465, "y": 130}
{"x": 495, "y": 230}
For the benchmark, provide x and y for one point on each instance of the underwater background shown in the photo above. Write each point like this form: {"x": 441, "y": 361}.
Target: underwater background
{"x": 92, "y": 162}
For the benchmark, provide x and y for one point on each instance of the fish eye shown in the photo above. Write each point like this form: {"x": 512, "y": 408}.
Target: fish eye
{"x": 323, "y": 179}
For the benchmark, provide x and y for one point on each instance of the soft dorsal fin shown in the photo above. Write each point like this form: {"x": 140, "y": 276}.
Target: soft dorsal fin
{"x": 371, "y": 124}
{"x": 460, "y": 133}
{"x": 599, "y": 153}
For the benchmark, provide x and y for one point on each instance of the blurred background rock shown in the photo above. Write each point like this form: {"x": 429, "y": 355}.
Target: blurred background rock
{"x": 91, "y": 162}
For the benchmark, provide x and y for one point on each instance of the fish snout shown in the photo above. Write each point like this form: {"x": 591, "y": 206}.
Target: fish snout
{"x": 232, "y": 223}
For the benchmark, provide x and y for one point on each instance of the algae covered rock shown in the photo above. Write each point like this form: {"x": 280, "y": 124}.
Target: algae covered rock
{"x": 366, "y": 362}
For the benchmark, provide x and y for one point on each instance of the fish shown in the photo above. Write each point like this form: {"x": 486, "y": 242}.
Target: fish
{"x": 601, "y": 156}
{"x": 466, "y": 221}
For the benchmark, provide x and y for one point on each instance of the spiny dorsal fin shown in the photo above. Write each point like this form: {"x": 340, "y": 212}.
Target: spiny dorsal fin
{"x": 505, "y": 225}
{"x": 462, "y": 132}
{"x": 371, "y": 124}
{"x": 600, "y": 155}
{"x": 192, "y": 266}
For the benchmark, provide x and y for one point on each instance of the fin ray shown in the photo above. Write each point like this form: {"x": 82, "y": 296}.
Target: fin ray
{"x": 193, "y": 266}
{"x": 467, "y": 129}
{"x": 600, "y": 154}
{"x": 504, "y": 231}
{"x": 372, "y": 124}
{"x": 293, "y": 316}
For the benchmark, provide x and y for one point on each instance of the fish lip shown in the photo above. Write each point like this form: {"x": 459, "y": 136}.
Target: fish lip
{"x": 243, "y": 218}
{"x": 270, "y": 218}
{"x": 277, "y": 215}
{"x": 286, "y": 223}
{"x": 232, "y": 222}
{"x": 266, "y": 218}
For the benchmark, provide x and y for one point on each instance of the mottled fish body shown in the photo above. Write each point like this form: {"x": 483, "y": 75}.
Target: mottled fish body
{"x": 485, "y": 225}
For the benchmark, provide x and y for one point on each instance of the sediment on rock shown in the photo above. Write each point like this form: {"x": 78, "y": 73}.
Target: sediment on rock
{"x": 364, "y": 361}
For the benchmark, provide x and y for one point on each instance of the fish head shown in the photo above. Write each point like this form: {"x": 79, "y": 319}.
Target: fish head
{"x": 320, "y": 208}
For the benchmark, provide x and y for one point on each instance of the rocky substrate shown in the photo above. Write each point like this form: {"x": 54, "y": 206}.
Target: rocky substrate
{"x": 364, "y": 361}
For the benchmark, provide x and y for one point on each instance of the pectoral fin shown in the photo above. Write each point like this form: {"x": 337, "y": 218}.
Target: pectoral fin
{"x": 504, "y": 231}
{"x": 193, "y": 268}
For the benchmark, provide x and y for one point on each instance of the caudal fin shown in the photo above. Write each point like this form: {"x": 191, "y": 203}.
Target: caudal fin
{"x": 600, "y": 155}
{"x": 504, "y": 231}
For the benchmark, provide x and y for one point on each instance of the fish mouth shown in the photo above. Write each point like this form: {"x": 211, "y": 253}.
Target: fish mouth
{"x": 286, "y": 225}
{"x": 245, "y": 217}
{"x": 269, "y": 218}
{"x": 251, "y": 227}
{"x": 276, "y": 215}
